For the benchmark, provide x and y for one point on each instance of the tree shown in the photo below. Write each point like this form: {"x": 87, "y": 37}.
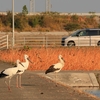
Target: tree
{"x": 24, "y": 11}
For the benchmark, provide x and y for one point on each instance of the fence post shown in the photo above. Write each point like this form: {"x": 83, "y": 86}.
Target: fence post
{"x": 78, "y": 42}
{"x": 7, "y": 41}
{"x": 43, "y": 41}
{"x": 24, "y": 41}
{"x": 46, "y": 41}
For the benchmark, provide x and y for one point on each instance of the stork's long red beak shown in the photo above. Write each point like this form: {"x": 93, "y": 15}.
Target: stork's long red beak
{"x": 21, "y": 64}
{"x": 29, "y": 60}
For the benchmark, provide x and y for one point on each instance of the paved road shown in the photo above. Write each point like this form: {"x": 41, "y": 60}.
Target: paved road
{"x": 36, "y": 87}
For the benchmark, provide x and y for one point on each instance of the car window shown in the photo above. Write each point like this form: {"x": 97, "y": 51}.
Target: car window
{"x": 75, "y": 33}
{"x": 92, "y": 32}
{"x": 86, "y": 33}
{"x": 83, "y": 33}
{"x": 99, "y": 32}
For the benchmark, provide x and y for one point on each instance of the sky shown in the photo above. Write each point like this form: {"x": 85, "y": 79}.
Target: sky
{"x": 66, "y": 6}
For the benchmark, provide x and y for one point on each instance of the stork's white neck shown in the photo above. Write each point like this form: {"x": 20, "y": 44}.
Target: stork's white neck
{"x": 62, "y": 61}
{"x": 27, "y": 61}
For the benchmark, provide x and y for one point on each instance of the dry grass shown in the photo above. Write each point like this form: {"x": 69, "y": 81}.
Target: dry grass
{"x": 85, "y": 58}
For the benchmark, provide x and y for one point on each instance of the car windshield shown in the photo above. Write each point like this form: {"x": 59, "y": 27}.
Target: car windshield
{"x": 74, "y": 34}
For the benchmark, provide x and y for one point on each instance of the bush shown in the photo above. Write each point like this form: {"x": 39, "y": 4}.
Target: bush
{"x": 47, "y": 22}
{"x": 7, "y": 20}
{"x": 74, "y": 18}
{"x": 20, "y": 22}
{"x": 33, "y": 22}
{"x": 72, "y": 26}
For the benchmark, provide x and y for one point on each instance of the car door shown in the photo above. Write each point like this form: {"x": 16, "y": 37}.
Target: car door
{"x": 94, "y": 37}
{"x": 83, "y": 38}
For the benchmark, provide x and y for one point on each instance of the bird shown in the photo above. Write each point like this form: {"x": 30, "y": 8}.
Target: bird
{"x": 56, "y": 67}
{"x": 25, "y": 64}
{"x": 9, "y": 73}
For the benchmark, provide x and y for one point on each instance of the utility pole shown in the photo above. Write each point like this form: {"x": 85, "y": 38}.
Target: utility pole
{"x": 32, "y": 6}
{"x": 48, "y": 6}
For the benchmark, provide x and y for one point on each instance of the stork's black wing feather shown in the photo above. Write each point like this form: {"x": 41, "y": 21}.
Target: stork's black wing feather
{"x": 51, "y": 69}
{"x": 3, "y": 74}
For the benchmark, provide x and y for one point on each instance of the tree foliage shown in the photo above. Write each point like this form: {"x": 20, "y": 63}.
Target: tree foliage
{"x": 24, "y": 10}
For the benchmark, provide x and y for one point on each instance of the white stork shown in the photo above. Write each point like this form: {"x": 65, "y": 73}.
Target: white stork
{"x": 56, "y": 67}
{"x": 9, "y": 73}
{"x": 25, "y": 64}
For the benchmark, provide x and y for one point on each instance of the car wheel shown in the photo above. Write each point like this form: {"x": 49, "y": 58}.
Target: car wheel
{"x": 98, "y": 43}
{"x": 71, "y": 44}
